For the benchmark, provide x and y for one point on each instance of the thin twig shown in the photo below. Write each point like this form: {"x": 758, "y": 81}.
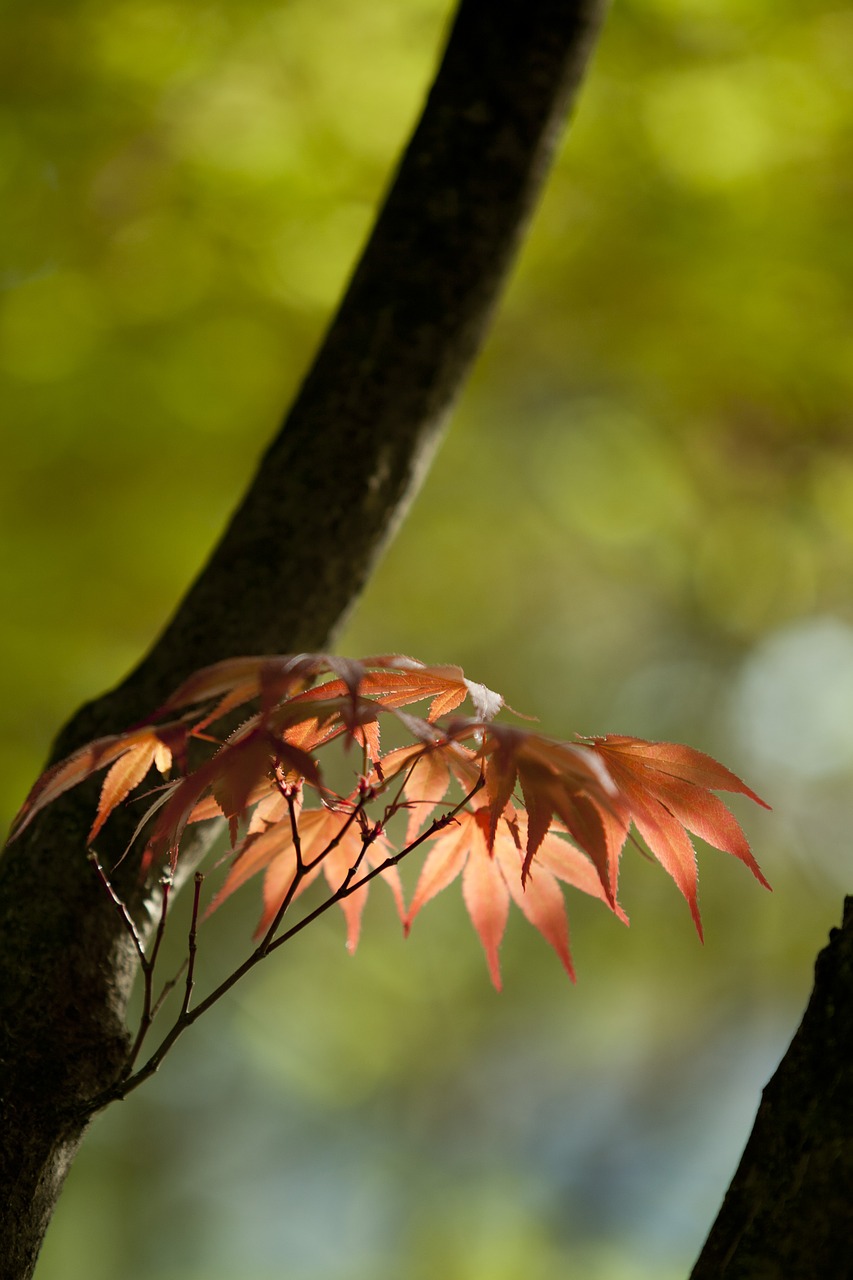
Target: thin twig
{"x": 122, "y": 910}
{"x": 147, "y": 1016}
{"x": 299, "y": 874}
{"x": 290, "y": 798}
{"x": 168, "y": 988}
{"x": 166, "y": 885}
{"x": 269, "y": 944}
{"x": 192, "y": 948}
{"x": 336, "y": 839}
{"x": 392, "y": 860}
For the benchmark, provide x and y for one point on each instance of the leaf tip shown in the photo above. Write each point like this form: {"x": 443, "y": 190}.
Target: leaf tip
{"x": 697, "y": 920}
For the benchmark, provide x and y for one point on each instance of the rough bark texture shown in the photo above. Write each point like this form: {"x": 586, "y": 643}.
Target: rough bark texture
{"x": 788, "y": 1214}
{"x": 328, "y": 494}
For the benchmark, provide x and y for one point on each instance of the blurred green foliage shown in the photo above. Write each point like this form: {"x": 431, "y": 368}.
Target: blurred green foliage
{"x": 642, "y": 521}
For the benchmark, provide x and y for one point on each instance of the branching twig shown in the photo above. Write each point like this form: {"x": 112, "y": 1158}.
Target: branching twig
{"x": 269, "y": 942}
{"x": 146, "y": 963}
{"x": 392, "y": 860}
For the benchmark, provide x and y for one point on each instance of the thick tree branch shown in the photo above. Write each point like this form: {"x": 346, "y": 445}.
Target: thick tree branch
{"x": 786, "y": 1215}
{"x": 337, "y": 479}
{"x": 329, "y": 492}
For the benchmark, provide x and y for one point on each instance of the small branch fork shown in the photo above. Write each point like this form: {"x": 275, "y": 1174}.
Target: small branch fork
{"x": 189, "y": 1013}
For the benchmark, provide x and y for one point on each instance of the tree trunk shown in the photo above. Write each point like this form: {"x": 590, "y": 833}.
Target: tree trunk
{"x": 788, "y": 1213}
{"x": 328, "y": 494}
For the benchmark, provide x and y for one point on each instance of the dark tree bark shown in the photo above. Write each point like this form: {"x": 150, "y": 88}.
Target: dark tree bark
{"x": 788, "y": 1214}
{"x": 328, "y": 494}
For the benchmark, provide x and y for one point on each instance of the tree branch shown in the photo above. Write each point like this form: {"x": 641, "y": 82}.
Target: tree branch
{"x": 329, "y": 492}
{"x": 786, "y": 1215}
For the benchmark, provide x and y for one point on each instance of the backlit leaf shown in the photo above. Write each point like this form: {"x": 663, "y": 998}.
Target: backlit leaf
{"x": 493, "y": 876}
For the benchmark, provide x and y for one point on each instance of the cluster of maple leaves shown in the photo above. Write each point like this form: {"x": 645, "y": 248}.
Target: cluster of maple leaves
{"x": 534, "y": 812}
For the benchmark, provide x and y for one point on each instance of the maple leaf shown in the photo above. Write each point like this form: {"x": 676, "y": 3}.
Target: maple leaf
{"x": 330, "y": 841}
{"x": 131, "y": 756}
{"x": 548, "y": 809}
{"x": 271, "y": 679}
{"x": 597, "y": 787}
{"x": 235, "y": 681}
{"x": 340, "y": 711}
{"x": 489, "y": 859}
{"x": 348, "y": 703}
{"x": 557, "y": 779}
{"x": 428, "y": 770}
{"x": 241, "y": 769}
{"x": 667, "y": 791}
{"x": 405, "y": 680}
{"x": 399, "y": 682}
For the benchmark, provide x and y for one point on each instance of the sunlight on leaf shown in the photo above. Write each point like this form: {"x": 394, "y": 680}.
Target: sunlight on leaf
{"x": 511, "y": 812}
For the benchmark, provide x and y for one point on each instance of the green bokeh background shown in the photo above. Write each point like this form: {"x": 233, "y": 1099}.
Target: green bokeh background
{"x": 641, "y": 522}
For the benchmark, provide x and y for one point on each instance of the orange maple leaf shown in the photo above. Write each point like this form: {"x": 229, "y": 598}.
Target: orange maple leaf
{"x": 240, "y": 771}
{"x": 556, "y": 779}
{"x": 490, "y": 860}
{"x": 307, "y": 718}
{"x": 131, "y": 756}
{"x": 666, "y": 790}
{"x": 510, "y": 843}
{"x": 402, "y": 681}
{"x": 398, "y": 681}
{"x": 428, "y": 770}
{"x": 331, "y": 841}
